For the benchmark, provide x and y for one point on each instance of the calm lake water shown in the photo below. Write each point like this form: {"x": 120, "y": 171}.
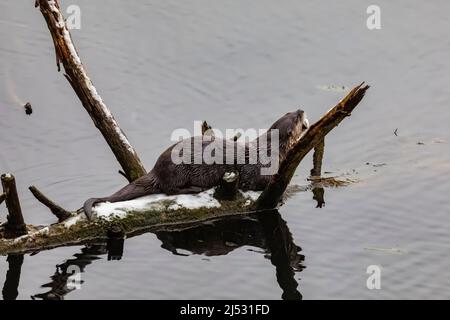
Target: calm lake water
{"x": 160, "y": 65}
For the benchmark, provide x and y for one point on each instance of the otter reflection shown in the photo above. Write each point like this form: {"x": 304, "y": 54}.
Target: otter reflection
{"x": 265, "y": 230}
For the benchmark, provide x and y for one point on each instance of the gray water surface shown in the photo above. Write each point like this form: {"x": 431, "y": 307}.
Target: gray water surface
{"x": 160, "y": 65}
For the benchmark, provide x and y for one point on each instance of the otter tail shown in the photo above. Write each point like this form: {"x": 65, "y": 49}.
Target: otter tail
{"x": 88, "y": 204}
{"x": 143, "y": 186}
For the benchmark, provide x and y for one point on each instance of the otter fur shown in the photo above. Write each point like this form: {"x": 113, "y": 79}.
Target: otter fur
{"x": 193, "y": 177}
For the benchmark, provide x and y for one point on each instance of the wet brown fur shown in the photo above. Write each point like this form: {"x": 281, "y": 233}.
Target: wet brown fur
{"x": 170, "y": 178}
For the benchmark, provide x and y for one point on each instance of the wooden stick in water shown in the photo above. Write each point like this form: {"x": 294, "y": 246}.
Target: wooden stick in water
{"x": 16, "y": 223}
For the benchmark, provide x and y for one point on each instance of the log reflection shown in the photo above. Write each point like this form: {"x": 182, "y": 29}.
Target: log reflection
{"x": 265, "y": 230}
{"x": 11, "y": 285}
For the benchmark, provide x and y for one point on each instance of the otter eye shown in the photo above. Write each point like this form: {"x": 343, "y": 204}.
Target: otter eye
{"x": 289, "y": 132}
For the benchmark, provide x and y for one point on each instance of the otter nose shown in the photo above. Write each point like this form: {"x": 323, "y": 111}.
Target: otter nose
{"x": 303, "y": 118}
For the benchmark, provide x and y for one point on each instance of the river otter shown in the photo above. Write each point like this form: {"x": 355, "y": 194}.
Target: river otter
{"x": 193, "y": 177}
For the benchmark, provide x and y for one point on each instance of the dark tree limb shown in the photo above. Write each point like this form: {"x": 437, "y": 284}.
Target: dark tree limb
{"x": 316, "y": 171}
{"x": 87, "y": 93}
{"x": 16, "y": 224}
{"x": 2, "y": 197}
{"x": 272, "y": 194}
{"x": 124, "y": 175}
{"x": 318, "y": 195}
{"x": 61, "y": 213}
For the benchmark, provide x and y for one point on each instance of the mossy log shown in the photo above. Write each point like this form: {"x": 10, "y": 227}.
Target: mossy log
{"x": 163, "y": 215}
{"x": 74, "y": 229}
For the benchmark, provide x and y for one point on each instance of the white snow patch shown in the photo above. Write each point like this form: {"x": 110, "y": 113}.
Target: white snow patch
{"x": 229, "y": 176}
{"x": 107, "y": 112}
{"x": 97, "y": 97}
{"x": 123, "y": 138}
{"x": 19, "y": 239}
{"x": 45, "y": 230}
{"x": 53, "y": 8}
{"x": 252, "y": 195}
{"x": 72, "y": 221}
{"x": 41, "y": 231}
{"x": 203, "y": 199}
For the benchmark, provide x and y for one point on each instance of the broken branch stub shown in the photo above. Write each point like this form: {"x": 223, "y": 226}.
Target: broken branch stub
{"x": 205, "y": 127}
{"x": 316, "y": 171}
{"x": 87, "y": 93}
{"x": 228, "y": 186}
{"x": 59, "y": 212}
{"x": 16, "y": 223}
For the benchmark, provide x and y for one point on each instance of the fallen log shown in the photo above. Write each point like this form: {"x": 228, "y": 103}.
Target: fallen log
{"x": 76, "y": 74}
{"x": 160, "y": 212}
{"x": 156, "y": 212}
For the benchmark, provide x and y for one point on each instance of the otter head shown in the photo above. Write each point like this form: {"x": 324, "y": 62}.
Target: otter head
{"x": 291, "y": 127}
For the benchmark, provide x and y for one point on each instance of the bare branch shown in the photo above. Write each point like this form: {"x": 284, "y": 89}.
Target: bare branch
{"x": 59, "y": 212}
{"x": 314, "y": 136}
{"x": 124, "y": 175}
{"x": 87, "y": 93}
